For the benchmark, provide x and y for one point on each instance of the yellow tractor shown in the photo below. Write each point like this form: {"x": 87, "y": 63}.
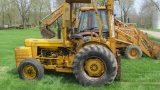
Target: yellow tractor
{"x": 129, "y": 40}
{"x": 93, "y": 63}
{"x": 133, "y": 42}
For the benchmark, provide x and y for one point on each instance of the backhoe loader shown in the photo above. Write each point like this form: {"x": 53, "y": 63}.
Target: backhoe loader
{"x": 94, "y": 63}
{"x": 134, "y": 42}
{"x": 129, "y": 40}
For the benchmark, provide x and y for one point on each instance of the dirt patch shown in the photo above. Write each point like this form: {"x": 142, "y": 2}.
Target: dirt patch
{"x": 153, "y": 33}
{"x": 3, "y": 69}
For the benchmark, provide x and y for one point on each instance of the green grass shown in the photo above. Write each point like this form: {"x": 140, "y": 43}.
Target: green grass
{"x": 154, "y": 39}
{"x": 143, "y": 74}
{"x": 155, "y": 30}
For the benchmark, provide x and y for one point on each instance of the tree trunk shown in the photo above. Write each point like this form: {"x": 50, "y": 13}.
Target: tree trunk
{"x": 40, "y": 15}
{"x": 10, "y": 20}
{"x": 3, "y": 21}
{"x": 125, "y": 17}
{"x": 23, "y": 21}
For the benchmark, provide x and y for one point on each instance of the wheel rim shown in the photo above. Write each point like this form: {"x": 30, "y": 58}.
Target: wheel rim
{"x": 94, "y": 67}
{"x": 134, "y": 53}
{"x": 29, "y": 72}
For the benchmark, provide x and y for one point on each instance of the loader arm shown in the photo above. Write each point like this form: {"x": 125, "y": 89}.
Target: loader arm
{"x": 46, "y": 22}
{"x": 126, "y": 35}
{"x": 53, "y": 16}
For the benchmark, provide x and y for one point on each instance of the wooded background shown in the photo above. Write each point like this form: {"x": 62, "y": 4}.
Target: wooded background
{"x": 15, "y": 12}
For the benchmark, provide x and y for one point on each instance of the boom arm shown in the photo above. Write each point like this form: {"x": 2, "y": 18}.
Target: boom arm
{"x": 53, "y": 16}
{"x": 47, "y": 21}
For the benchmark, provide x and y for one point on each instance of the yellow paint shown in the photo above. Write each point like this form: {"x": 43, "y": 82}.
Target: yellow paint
{"x": 94, "y": 67}
{"x": 47, "y": 50}
{"x": 29, "y": 72}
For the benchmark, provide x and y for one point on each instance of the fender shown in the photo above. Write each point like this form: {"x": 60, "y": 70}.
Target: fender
{"x": 93, "y": 42}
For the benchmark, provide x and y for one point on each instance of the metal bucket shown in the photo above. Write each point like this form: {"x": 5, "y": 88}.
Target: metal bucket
{"x": 155, "y": 50}
{"x": 47, "y": 33}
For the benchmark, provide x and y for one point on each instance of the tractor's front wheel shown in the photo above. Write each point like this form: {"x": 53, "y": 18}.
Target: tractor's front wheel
{"x": 133, "y": 52}
{"x": 95, "y": 65}
{"x": 31, "y": 69}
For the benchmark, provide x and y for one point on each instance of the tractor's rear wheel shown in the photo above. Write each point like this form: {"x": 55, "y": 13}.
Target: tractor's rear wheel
{"x": 95, "y": 65}
{"x": 31, "y": 69}
{"x": 133, "y": 52}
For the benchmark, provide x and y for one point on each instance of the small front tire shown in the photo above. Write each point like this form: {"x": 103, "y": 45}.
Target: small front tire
{"x": 133, "y": 52}
{"x": 30, "y": 69}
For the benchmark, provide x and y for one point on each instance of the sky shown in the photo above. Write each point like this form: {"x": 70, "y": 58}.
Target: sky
{"x": 137, "y": 5}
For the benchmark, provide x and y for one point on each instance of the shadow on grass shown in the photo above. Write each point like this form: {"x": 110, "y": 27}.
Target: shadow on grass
{"x": 13, "y": 71}
{"x": 66, "y": 78}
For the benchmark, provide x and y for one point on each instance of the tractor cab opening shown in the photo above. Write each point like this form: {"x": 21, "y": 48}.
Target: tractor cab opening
{"x": 88, "y": 21}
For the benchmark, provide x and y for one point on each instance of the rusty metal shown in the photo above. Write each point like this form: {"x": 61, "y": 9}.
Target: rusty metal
{"x": 155, "y": 50}
{"x": 47, "y": 33}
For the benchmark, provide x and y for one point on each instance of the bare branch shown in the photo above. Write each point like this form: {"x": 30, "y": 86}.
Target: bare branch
{"x": 155, "y": 4}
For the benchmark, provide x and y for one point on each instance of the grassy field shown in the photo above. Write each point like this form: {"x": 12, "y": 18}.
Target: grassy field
{"x": 155, "y": 30}
{"x": 143, "y": 74}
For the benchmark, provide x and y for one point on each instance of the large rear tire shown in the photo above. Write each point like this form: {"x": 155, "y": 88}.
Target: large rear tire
{"x": 31, "y": 69}
{"x": 95, "y": 65}
{"x": 133, "y": 52}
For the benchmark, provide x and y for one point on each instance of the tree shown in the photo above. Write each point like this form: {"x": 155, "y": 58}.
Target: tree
{"x": 39, "y": 9}
{"x": 155, "y": 4}
{"x": 49, "y": 6}
{"x": 125, "y": 6}
{"x": 57, "y": 3}
{"x": 3, "y": 5}
{"x": 10, "y": 11}
{"x": 24, "y": 7}
{"x": 103, "y": 2}
{"x": 145, "y": 16}
{"x": 29, "y": 11}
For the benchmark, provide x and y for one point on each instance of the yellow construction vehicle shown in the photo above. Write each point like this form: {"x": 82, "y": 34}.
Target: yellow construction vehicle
{"x": 128, "y": 39}
{"x": 94, "y": 63}
{"x": 134, "y": 41}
